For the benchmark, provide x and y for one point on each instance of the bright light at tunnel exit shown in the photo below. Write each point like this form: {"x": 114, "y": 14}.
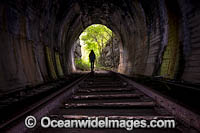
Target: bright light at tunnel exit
{"x": 84, "y": 51}
{"x": 94, "y": 37}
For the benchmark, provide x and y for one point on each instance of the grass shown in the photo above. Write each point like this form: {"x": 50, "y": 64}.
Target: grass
{"x": 85, "y": 66}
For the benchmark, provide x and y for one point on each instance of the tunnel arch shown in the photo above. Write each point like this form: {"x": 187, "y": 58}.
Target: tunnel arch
{"x": 80, "y": 32}
{"x": 112, "y": 36}
{"x": 39, "y": 35}
{"x": 124, "y": 32}
{"x": 173, "y": 54}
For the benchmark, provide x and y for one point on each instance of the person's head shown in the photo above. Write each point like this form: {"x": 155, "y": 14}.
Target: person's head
{"x": 92, "y": 51}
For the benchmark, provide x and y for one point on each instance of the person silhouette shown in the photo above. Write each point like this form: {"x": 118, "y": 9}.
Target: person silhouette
{"x": 92, "y": 59}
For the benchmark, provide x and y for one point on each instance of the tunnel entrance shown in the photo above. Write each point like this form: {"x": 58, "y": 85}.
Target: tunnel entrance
{"x": 105, "y": 45}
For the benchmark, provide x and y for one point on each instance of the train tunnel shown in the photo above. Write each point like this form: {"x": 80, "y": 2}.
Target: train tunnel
{"x": 158, "y": 38}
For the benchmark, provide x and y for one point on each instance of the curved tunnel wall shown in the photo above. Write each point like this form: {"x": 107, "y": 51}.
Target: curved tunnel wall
{"x": 171, "y": 56}
{"x": 37, "y": 37}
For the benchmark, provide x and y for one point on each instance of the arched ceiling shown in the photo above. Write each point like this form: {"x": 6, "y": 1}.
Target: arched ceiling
{"x": 121, "y": 18}
{"x": 34, "y": 31}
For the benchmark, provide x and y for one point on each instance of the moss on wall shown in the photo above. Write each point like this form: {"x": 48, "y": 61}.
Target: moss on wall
{"x": 50, "y": 63}
{"x": 171, "y": 55}
{"x": 58, "y": 65}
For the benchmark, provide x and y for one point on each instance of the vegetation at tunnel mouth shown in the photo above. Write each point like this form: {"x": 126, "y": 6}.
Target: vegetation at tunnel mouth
{"x": 94, "y": 37}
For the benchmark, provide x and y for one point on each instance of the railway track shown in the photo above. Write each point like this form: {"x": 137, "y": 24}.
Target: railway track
{"x": 108, "y": 95}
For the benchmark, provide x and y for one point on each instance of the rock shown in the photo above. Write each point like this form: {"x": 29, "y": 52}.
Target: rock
{"x": 77, "y": 50}
{"x": 110, "y": 55}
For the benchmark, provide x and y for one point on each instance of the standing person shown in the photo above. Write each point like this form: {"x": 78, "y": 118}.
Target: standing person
{"x": 92, "y": 59}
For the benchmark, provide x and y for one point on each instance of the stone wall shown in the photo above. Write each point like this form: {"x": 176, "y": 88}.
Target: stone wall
{"x": 27, "y": 54}
{"x": 77, "y": 50}
{"x": 110, "y": 54}
{"x": 172, "y": 53}
{"x": 191, "y": 72}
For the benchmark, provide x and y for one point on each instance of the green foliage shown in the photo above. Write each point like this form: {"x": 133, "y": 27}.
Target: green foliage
{"x": 82, "y": 65}
{"x": 95, "y": 38}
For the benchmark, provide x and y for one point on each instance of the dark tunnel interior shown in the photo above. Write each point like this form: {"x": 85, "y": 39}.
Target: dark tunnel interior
{"x": 157, "y": 39}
